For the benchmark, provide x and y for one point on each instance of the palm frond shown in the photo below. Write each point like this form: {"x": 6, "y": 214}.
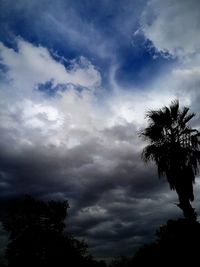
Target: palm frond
{"x": 182, "y": 114}
{"x": 174, "y": 109}
{"x": 188, "y": 117}
{"x": 174, "y": 146}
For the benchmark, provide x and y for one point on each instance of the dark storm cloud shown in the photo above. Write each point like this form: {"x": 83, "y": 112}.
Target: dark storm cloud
{"x": 92, "y": 167}
{"x": 124, "y": 221}
{"x": 114, "y": 197}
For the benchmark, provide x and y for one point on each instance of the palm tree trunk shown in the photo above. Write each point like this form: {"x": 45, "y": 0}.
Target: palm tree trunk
{"x": 185, "y": 205}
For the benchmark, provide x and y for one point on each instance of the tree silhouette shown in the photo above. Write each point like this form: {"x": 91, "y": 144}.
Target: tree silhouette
{"x": 37, "y": 235}
{"x": 174, "y": 147}
{"x": 120, "y": 261}
{"x": 176, "y": 242}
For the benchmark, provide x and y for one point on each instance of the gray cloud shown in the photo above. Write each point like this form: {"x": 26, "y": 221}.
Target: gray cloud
{"x": 114, "y": 197}
{"x": 173, "y": 26}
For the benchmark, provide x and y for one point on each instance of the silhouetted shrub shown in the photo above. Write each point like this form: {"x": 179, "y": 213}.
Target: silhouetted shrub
{"x": 37, "y": 238}
{"x": 120, "y": 261}
{"x": 177, "y": 242}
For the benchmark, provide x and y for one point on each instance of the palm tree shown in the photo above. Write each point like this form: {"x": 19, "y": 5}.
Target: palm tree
{"x": 174, "y": 147}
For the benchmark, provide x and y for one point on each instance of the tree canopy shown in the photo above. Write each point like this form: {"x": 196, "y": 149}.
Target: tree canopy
{"x": 37, "y": 235}
{"x": 174, "y": 147}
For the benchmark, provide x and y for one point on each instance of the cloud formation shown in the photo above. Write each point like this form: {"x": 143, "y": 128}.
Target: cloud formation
{"x": 173, "y": 26}
{"x": 30, "y": 65}
{"x": 66, "y": 133}
{"x": 74, "y": 145}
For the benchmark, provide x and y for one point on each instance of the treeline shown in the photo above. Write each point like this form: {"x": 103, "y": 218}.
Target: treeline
{"x": 38, "y": 237}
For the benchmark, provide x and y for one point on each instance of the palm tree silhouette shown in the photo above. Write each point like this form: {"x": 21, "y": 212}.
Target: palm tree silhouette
{"x": 174, "y": 147}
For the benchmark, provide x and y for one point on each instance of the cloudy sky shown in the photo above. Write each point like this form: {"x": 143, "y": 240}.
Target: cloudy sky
{"x": 76, "y": 78}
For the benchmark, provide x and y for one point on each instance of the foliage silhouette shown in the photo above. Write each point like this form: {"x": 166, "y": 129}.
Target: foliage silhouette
{"x": 120, "y": 261}
{"x": 177, "y": 242}
{"x": 174, "y": 147}
{"x": 37, "y": 236}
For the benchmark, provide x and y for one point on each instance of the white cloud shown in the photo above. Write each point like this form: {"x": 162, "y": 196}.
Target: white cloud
{"x": 31, "y": 65}
{"x": 31, "y": 118}
{"x": 173, "y": 26}
{"x": 71, "y": 117}
{"x": 132, "y": 106}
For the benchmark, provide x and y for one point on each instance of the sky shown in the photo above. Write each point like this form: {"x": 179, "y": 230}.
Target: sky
{"x": 76, "y": 80}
